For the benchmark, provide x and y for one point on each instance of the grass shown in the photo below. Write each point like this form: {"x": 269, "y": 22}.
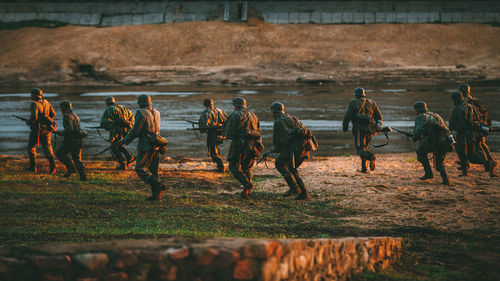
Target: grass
{"x": 38, "y": 209}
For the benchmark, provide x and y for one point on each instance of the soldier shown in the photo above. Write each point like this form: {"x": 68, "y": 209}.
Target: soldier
{"x": 289, "y": 140}
{"x": 432, "y": 133}
{"x": 41, "y": 123}
{"x": 118, "y": 120}
{"x": 366, "y": 121}
{"x": 462, "y": 121}
{"x": 485, "y": 129}
{"x": 72, "y": 142}
{"x": 146, "y": 126}
{"x": 243, "y": 128}
{"x": 210, "y": 122}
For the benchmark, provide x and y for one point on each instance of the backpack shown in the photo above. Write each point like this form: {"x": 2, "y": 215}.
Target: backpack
{"x": 126, "y": 117}
{"x": 300, "y": 137}
{"x": 366, "y": 121}
{"x": 474, "y": 117}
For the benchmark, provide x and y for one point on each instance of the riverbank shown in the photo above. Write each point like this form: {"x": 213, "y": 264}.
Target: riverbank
{"x": 253, "y": 53}
{"x": 450, "y": 232}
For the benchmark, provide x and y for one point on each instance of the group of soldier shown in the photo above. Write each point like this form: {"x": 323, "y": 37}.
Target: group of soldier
{"x": 292, "y": 141}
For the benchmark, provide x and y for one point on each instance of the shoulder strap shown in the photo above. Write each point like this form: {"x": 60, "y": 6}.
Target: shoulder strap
{"x": 362, "y": 106}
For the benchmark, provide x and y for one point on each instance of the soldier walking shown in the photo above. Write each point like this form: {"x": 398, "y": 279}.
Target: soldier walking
{"x": 211, "y": 121}
{"x": 462, "y": 121}
{"x": 118, "y": 120}
{"x": 366, "y": 121}
{"x": 431, "y": 132}
{"x": 146, "y": 128}
{"x": 483, "y": 130}
{"x": 72, "y": 143}
{"x": 41, "y": 123}
{"x": 243, "y": 128}
{"x": 289, "y": 140}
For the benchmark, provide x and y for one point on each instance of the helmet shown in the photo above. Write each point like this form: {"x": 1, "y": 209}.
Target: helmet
{"x": 420, "y": 106}
{"x": 457, "y": 96}
{"x": 208, "y": 102}
{"x": 239, "y": 102}
{"x": 66, "y": 105}
{"x": 110, "y": 100}
{"x": 464, "y": 88}
{"x": 359, "y": 92}
{"x": 36, "y": 93}
{"x": 277, "y": 107}
{"x": 143, "y": 100}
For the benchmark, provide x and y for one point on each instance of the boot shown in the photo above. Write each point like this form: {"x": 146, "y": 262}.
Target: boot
{"x": 492, "y": 165}
{"x": 52, "y": 166}
{"x": 428, "y": 171}
{"x": 444, "y": 177}
{"x": 32, "y": 167}
{"x": 220, "y": 165}
{"x": 294, "y": 189}
{"x": 83, "y": 175}
{"x": 363, "y": 165}
{"x": 122, "y": 166}
{"x": 157, "y": 189}
{"x": 245, "y": 194}
{"x": 372, "y": 164}
{"x": 303, "y": 191}
{"x": 131, "y": 159}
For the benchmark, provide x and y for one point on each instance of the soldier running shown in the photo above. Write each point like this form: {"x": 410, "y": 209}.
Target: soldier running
{"x": 210, "y": 122}
{"x": 243, "y": 128}
{"x": 118, "y": 120}
{"x": 431, "y": 132}
{"x": 72, "y": 143}
{"x": 41, "y": 123}
{"x": 147, "y": 125}
{"x": 366, "y": 121}
{"x": 483, "y": 130}
{"x": 289, "y": 140}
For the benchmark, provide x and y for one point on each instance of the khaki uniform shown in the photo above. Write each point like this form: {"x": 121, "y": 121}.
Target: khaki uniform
{"x": 40, "y": 132}
{"x": 362, "y": 131}
{"x": 291, "y": 148}
{"x": 243, "y": 128}
{"x": 118, "y": 120}
{"x": 147, "y": 122}
{"x": 72, "y": 144}
{"x": 210, "y": 122}
{"x": 480, "y": 140}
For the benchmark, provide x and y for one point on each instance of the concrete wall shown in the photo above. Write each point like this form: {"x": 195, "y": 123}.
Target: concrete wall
{"x": 280, "y": 12}
{"x": 216, "y": 259}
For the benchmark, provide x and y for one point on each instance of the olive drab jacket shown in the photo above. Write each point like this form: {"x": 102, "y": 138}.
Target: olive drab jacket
{"x": 364, "y": 106}
{"x": 287, "y": 128}
{"x": 118, "y": 120}
{"x": 430, "y": 130}
{"x": 147, "y": 122}
{"x": 243, "y": 128}
{"x": 39, "y": 109}
{"x": 71, "y": 124}
{"x": 211, "y": 121}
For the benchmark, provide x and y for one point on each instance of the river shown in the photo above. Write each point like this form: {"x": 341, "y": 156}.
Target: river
{"x": 321, "y": 108}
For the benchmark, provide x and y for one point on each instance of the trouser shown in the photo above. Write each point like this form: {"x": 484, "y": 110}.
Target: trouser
{"x": 121, "y": 154}
{"x": 241, "y": 168}
{"x": 362, "y": 142}
{"x": 45, "y": 138}
{"x": 439, "y": 157}
{"x": 467, "y": 150}
{"x": 214, "y": 152}
{"x": 484, "y": 147}
{"x": 73, "y": 147}
{"x": 290, "y": 173}
{"x": 146, "y": 167}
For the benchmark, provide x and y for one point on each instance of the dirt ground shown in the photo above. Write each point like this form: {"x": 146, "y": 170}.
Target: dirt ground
{"x": 250, "y": 53}
{"x": 392, "y": 196}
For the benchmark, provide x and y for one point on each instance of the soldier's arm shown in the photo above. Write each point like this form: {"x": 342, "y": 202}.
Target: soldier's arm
{"x": 106, "y": 119}
{"x": 231, "y": 126}
{"x": 377, "y": 116}
{"x": 280, "y": 136}
{"x": 33, "y": 114}
{"x": 348, "y": 115}
{"x": 203, "y": 120}
{"x": 417, "y": 130}
{"x": 136, "y": 129}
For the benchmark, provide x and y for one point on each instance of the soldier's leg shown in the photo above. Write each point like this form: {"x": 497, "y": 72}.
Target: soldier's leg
{"x": 424, "y": 160}
{"x": 117, "y": 153}
{"x": 157, "y": 187}
{"x": 46, "y": 141}
{"x": 368, "y": 155}
{"x": 358, "y": 142}
{"x": 128, "y": 156}
{"x": 487, "y": 155}
{"x": 439, "y": 158}
{"x": 461, "y": 149}
{"x": 295, "y": 173}
{"x": 32, "y": 144}
{"x": 283, "y": 164}
{"x": 214, "y": 152}
{"x": 62, "y": 155}
{"x": 76, "y": 154}
{"x": 235, "y": 167}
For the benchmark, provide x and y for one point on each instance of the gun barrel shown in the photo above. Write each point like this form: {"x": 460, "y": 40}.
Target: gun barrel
{"x": 20, "y": 118}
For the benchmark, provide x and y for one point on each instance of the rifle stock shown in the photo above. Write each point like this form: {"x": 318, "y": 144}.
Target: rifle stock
{"x": 20, "y": 118}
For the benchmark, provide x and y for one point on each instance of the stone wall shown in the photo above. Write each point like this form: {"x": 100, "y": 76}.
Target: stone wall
{"x": 321, "y": 12}
{"x": 215, "y": 259}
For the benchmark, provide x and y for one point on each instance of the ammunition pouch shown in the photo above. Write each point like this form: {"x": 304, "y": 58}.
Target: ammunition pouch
{"x": 158, "y": 140}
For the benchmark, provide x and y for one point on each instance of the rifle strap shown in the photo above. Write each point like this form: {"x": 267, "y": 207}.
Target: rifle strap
{"x": 362, "y": 106}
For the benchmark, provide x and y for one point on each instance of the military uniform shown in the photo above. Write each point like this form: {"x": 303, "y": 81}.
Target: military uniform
{"x": 211, "y": 121}
{"x": 243, "y": 128}
{"x": 72, "y": 143}
{"x": 431, "y": 132}
{"x": 41, "y": 111}
{"x": 289, "y": 139}
{"x": 147, "y": 123}
{"x": 461, "y": 121}
{"x": 363, "y": 129}
{"x": 118, "y": 120}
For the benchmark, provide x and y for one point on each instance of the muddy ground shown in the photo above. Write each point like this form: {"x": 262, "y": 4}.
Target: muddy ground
{"x": 250, "y": 53}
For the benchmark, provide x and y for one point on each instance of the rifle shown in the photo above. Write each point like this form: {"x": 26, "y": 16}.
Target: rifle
{"x": 99, "y": 132}
{"x": 386, "y": 131}
{"x": 192, "y": 124}
{"x": 198, "y": 128}
{"x": 264, "y": 158}
{"x": 20, "y": 118}
{"x": 408, "y": 135}
{"x": 110, "y": 148}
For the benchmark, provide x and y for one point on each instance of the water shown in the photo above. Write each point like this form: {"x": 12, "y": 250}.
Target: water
{"x": 321, "y": 108}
